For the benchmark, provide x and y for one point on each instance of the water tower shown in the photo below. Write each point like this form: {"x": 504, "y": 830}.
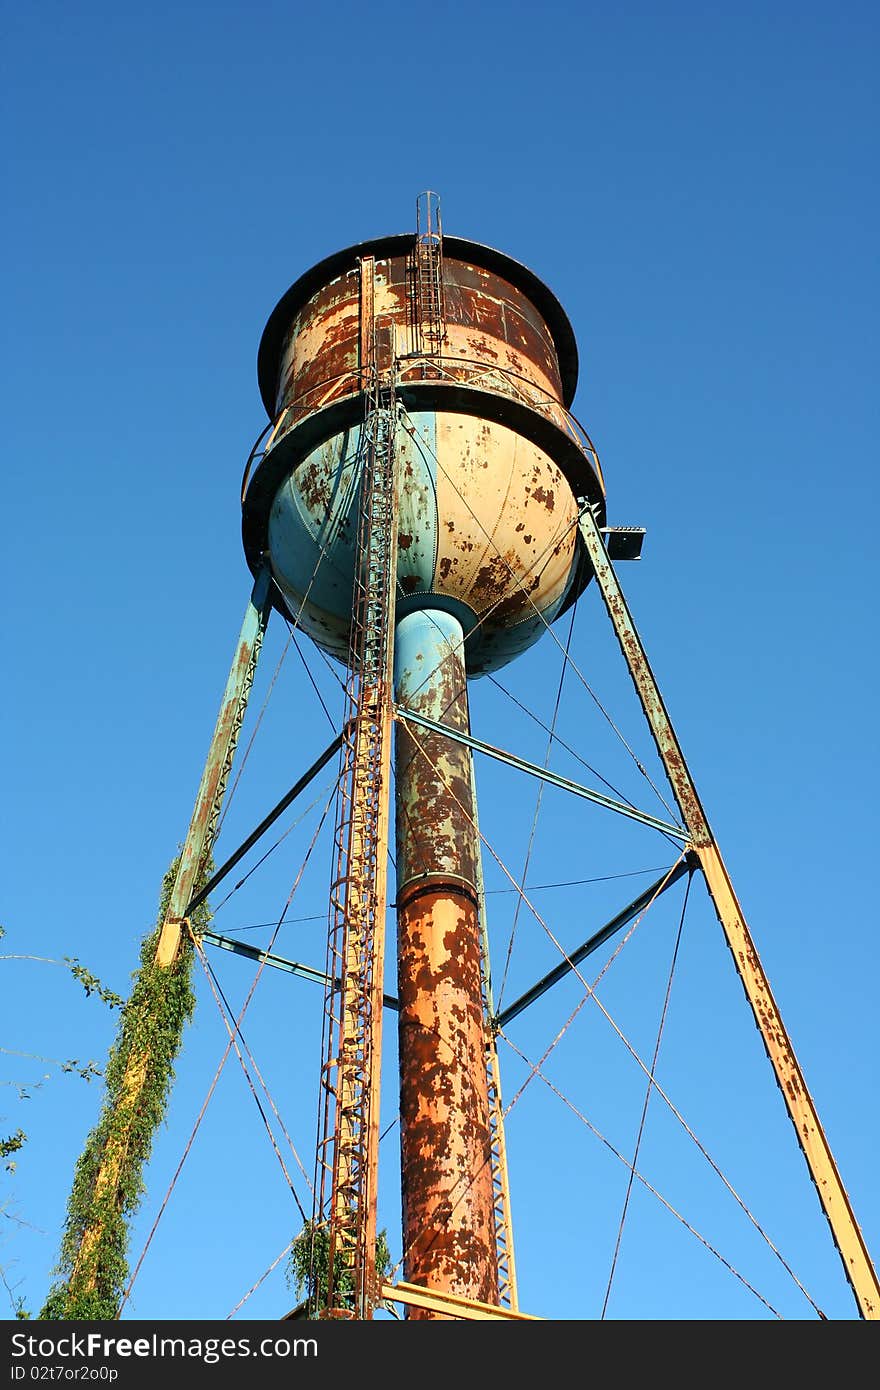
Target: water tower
{"x": 423, "y": 505}
{"x": 417, "y": 505}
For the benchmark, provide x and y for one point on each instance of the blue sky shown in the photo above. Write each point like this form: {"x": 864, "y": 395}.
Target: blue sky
{"x": 697, "y": 185}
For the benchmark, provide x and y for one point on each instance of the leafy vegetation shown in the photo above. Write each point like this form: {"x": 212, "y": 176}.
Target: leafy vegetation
{"x": 91, "y": 984}
{"x": 308, "y": 1267}
{"x": 108, "y": 1183}
{"x": 11, "y": 1145}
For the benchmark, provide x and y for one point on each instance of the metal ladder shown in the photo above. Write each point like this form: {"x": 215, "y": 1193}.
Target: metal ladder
{"x": 428, "y": 275}
{"x": 352, "y": 1027}
{"x": 507, "y": 1294}
{"x": 504, "y": 1254}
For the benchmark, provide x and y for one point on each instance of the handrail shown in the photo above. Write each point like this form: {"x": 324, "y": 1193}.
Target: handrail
{"x": 459, "y": 370}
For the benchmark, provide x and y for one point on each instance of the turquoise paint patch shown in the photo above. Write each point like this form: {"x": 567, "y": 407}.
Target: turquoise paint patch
{"x": 417, "y": 502}
{"x": 312, "y": 540}
{"x": 313, "y": 527}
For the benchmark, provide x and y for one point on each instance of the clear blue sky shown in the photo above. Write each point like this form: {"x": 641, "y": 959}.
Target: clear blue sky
{"x": 697, "y": 184}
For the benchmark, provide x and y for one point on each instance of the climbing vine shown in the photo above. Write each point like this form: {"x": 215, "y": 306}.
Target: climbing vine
{"x": 11, "y": 1145}
{"x": 91, "y": 984}
{"x": 93, "y": 1265}
{"x": 308, "y": 1266}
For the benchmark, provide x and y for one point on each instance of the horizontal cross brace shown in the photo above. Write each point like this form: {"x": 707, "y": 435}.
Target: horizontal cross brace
{"x": 293, "y": 967}
{"x": 592, "y": 943}
{"x": 450, "y": 1304}
{"x": 543, "y": 773}
{"x": 264, "y": 825}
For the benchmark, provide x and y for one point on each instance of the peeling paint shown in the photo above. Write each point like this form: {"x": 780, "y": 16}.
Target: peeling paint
{"x": 448, "y": 1213}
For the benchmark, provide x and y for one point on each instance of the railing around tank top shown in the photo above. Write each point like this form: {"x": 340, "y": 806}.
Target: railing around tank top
{"x": 459, "y": 371}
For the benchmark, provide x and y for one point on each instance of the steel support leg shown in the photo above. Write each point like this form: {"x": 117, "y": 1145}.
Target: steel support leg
{"x": 194, "y": 858}
{"x": 212, "y": 788}
{"x": 823, "y": 1170}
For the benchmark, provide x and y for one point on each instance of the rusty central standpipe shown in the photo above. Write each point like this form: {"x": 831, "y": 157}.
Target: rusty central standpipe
{"x": 448, "y": 1216}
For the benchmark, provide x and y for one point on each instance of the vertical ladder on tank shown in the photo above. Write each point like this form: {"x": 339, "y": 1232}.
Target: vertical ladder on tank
{"x": 507, "y": 1295}
{"x": 429, "y": 275}
{"x": 507, "y": 1292}
{"x": 352, "y": 1030}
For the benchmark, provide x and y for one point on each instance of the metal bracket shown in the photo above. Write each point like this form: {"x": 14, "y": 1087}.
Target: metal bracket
{"x": 623, "y": 542}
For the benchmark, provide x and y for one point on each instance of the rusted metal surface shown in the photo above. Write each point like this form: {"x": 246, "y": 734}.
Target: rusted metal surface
{"x": 323, "y": 340}
{"x": 433, "y": 773}
{"x": 498, "y": 467}
{"x": 486, "y": 520}
{"x": 479, "y": 271}
{"x": 542, "y": 773}
{"x": 448, "y": 1222}
{"x": 448, "y": 1200}
{"x": 427, "y": 317}
{"x": 488, "y": 323}
{"x": 461, "y": 371}
{"x": 367, "y": 321}
{"x": 350, "y": 1076}
{"x": 505, "y": 1258}
{"x": 506, "y": 521}
{"x": 810, "y": 1136}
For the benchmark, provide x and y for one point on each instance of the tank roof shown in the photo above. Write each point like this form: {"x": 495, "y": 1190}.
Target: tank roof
{"x": 457, "y": 248}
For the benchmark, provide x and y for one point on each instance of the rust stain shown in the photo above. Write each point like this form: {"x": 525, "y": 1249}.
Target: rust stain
{"x": 489, "y": 322}
{"x": 546, "y": 496}
{"x": 494, "y": 577}
{"x": 448, "y": 1207}
{"x": 482, "y": 348}
{"x": 448, "y": 1223}
{"x": 314, "y": 487}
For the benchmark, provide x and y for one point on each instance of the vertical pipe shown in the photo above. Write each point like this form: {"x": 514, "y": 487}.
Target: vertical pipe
{"x": 446, "y": 1174}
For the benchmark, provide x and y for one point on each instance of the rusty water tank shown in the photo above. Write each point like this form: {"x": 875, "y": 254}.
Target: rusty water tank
{"x": 492, "y": 467}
